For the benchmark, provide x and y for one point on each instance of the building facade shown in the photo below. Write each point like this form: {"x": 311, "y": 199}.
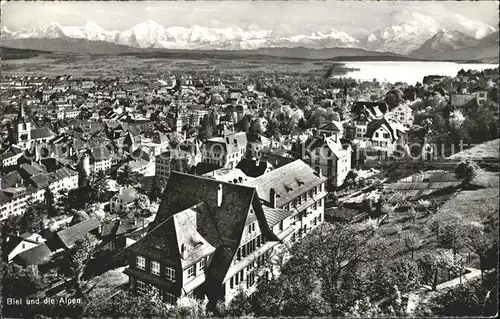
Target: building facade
{"x": 212, "y": 238}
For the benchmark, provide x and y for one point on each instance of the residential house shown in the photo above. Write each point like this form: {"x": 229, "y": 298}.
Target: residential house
{"x": 387, "y": 139}
{"x": 255, "y": 144}
{"x": 170, "y": 161}
{"x": 363, "y": 113}
{"x": 327, "y": 156}
{"x": 213, "y": 238}
{"x": 14, "y": 244}
{"x": 403, "y": 114}
{"x": 100, "y": 159}
{"x": 225, "y": 151}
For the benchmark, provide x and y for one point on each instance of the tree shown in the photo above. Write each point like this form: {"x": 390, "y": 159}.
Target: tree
{"x": 50, "y": 203}
{"x": 255, "y": 127}
{"x": 22, "y": 282}
{"x": 429, "y": 266}
{"x": 413, "y": 213}
{"x": 33, "y": 218}
{"x": 99, "y": 187}
{"x": 12, "y": 224}
{"x": 412, "y": 243}
{"x": 480, "y": 244}
{"x": 83, "y": 178}
{"x": 273, "y": 128}
{"x": 127, "y": 177}
{"x": 467, "y": 170}
{"x": 452, "y": 236}
{"x": 464, "y": 300}
{"x": 79, "y": 217}
{"x": 155, "y": 191}
{"x": 78, "y": 257}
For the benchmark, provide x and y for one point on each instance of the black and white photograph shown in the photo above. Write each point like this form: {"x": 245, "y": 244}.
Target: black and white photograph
{"x": 249, "y": 159}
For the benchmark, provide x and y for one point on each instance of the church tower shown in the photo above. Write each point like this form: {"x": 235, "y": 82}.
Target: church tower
{"x": 22, "y": 128}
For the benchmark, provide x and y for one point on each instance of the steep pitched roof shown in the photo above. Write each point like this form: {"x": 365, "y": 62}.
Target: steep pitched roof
{"x": 275, "y": 215}
{"x": 288, "y": 181}
{"x": 335, "y": 147}
{"x": 371, "y": 110}
{"x": 34, "y": 256}
{"x": 100, "y": 153}
{"x": 375, "y": 125}
{"x": 253, "y": 168}
{"x": 333, "y": 126}
{"x": 10, "y": 180}
{"x": 221, "y": 226}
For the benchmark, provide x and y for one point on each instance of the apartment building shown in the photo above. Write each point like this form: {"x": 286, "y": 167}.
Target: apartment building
{"x": 30, "y": 182}
{"x": 211, "y": 238}
{"x": 329, "y": 157}
{"x": 225, "y": 151}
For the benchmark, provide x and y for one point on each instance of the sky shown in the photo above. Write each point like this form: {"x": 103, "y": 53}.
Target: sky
{"x": 287, "y": 17}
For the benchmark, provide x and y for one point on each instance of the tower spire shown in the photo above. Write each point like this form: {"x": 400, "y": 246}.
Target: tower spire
{"x": 21, "y": 113}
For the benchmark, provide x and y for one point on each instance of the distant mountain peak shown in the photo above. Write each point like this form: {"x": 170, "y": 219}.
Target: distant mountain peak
{"x": 444, "y": 40}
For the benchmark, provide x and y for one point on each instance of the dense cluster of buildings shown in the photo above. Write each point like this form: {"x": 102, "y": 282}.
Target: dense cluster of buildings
{"x": 231, "y": 199}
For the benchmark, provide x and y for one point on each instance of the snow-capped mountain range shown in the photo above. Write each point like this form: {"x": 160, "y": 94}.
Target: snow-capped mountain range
{"x": 411, "y": 31}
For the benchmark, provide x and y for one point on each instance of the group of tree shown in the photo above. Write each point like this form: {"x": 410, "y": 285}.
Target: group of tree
{"x": 127, "y": 177}
{"x": 328, "y": 272}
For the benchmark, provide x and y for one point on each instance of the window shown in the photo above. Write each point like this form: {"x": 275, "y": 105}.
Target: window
{"x": 169, "y": 298}
{"x": 386, "y": 135}
{"x": 281, "y": 225}
{"x": 192, "y": 271}
{"x": 170, "y": 274}
{"x": 141, "y": 287}
{"x": 155, "y": 268}
{"x": 231, "y": 283}
{"x": 141, "y": 263}
{"x": 203, "y": 263}
{"x": 376, "y": 134}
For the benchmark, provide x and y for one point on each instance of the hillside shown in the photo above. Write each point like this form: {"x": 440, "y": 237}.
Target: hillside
{"x": 298, "y": 53}
{"x": 468, "y": 54}
{"x": 7, "y": 53}
{"x": 68, "y": 45}
{"x": 491, "y": 39}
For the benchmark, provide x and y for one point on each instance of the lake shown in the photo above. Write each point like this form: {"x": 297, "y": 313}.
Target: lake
{"x": 410, "y": 72}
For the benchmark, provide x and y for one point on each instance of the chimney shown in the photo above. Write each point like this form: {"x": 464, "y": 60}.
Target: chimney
{"x": 183, "y": 249}
{"x": 219, "y": 195}
{"x": 272, "y": 197}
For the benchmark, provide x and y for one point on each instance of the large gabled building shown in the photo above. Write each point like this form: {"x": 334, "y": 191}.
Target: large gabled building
{"x": 211, "y": 237}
